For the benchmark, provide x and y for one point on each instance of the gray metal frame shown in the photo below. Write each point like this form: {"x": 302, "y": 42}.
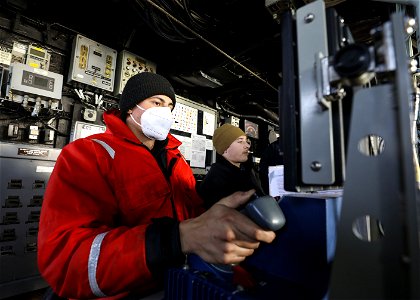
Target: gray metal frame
{"x": 382, "y": 187}
{"x": 316, "y": 135}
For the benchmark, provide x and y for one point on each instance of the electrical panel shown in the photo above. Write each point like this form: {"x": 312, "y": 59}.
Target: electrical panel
{"x": 5, "y": 55}
{"x": 130, "y": 64}
{"x": 233, "y": 120}
{"x": 92, "y": 64}
{"x": 83, "y": 129}
{"x": 38, "y": 57}
{"x": 194, "y": 126}
{"x": 25, "y": 171}
{"x": 25, "y": 79}
{"x": 19, "y": 52}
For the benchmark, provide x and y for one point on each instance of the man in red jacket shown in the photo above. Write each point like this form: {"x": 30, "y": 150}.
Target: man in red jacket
{"x": 121, "y": 208}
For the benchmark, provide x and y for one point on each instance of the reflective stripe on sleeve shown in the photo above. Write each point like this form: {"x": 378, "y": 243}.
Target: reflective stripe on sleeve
{"x": 107, "y": 147}
{"x": 95, "y": 250}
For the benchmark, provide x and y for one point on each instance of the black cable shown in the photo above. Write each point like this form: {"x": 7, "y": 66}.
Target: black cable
{"x": 14, "y": 119}
{"x": 168, "y": 23}
{"x": 167, "y": 28}
{"x": 146, "y": 14}
{"x": 194, "y": 17}
{"x": 52, "y": 128}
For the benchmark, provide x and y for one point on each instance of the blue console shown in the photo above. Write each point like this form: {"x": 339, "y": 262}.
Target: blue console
{"x": 296, "y": 265}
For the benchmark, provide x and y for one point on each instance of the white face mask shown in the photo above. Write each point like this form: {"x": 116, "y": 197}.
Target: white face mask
{"x": 155, "y": 122}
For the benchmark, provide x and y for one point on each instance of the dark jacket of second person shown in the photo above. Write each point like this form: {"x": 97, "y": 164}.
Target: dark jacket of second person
{"x": 223, "y": 179}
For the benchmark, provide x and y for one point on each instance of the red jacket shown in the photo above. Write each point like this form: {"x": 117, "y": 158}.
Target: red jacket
{"x": 101, "y": 197}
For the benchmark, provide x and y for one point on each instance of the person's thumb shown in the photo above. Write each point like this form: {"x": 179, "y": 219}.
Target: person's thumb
{"x": 236, "y": 199}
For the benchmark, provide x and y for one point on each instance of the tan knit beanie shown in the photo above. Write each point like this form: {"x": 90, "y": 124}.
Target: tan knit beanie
{"x": 224, "y": 136}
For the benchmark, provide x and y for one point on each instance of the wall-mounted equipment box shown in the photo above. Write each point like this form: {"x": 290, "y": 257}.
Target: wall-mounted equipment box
{"x": 25, "y": 79}
{"x": 194, "y": 126}
{"x": 25, "y": 172}
{"x": 92, "y": 64}
{"x": 83, "y": 129}
{"x": 38, "y": 57}
{"x": 130, "y": 64}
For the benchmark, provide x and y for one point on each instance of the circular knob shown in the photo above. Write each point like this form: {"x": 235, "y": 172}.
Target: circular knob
{"x": 352, "y": 61}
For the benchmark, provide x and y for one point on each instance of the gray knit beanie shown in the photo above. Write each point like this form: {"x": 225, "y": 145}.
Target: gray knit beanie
{"x": 142, "y": 86}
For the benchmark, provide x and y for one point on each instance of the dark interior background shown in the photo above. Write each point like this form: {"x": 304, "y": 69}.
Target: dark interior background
{"x": 225, "y": 52}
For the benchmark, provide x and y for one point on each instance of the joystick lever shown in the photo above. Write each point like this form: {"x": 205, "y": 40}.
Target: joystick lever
{"x": 265, "y": 212}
